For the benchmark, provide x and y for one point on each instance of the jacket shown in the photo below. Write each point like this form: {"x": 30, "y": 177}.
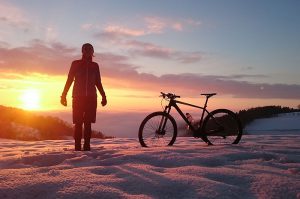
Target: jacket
{"x": 86, "y": 77}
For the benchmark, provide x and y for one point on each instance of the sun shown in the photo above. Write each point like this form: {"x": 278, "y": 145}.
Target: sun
{"x": 30, "y": 99}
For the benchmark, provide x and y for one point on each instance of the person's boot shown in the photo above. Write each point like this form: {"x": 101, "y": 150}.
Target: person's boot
{"x": 86, "y": 145}
{"x": 87, "y": 136}
{"x": 77, "y": 145}
{"x": 78, "y": 136}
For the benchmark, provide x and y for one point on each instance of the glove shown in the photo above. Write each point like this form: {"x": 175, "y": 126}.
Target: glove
{"x": 103, "y": 102}
{"x": 63, "y": 100}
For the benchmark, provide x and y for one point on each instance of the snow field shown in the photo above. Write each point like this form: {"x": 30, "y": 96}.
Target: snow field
{"x": 260, "y": 167}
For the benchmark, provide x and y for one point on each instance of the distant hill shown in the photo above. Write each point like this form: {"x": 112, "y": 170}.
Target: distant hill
{"x": 283, "y": 123}
{"x": 249, "y": 115}
{"x": 26, "y": 125}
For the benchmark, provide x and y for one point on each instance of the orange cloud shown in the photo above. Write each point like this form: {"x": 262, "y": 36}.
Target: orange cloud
{"x": 117, "y": 71}
{"x": 37, "y": 57}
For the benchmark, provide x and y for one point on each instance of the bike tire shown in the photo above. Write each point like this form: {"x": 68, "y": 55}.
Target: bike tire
{"x": 148, "y": 136}
{"x": 222, "y": 126}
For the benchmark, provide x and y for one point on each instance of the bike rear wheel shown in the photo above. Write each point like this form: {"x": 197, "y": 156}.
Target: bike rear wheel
{"x": 222, "y": 126}
{"x": 158, "y": 129}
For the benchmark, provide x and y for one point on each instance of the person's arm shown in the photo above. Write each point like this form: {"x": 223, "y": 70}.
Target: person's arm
{"x": 100, "y": 87}
{"x": 63, "y": 99}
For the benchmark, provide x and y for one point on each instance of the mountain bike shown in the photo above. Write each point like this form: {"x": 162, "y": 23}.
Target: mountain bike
{"x": 220, "y": 126}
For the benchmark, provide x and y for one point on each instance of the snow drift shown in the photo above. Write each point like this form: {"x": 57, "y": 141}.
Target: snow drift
{"x": 286, "y": 123}
{"x": 259, "y": 167}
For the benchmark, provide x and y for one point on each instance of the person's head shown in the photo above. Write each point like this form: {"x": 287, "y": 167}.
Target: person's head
{"x": 87, "y": 50}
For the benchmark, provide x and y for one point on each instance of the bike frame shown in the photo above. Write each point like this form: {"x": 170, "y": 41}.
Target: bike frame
{"x": 173, "y": 103}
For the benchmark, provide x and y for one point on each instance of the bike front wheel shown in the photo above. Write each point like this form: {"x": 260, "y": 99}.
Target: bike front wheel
{"x": 222, "y": 126}
{"x": 158, "y": 129}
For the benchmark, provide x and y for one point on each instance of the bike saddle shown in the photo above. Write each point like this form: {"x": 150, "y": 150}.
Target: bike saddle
{"x": 208, "y": 95}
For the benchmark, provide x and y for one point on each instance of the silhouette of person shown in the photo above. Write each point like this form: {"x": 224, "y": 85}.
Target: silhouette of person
{"x": 86, "y": 76}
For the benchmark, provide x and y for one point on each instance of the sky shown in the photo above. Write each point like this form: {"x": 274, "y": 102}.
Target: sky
{"x": 246, "y": 51}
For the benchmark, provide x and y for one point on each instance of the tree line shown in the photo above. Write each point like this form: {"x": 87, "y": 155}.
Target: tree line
{"x": 248, "y": 115}
{"x": 26, "y": 125}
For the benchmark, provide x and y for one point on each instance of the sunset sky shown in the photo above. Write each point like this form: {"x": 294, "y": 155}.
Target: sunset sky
{"x": 246, "y": 51}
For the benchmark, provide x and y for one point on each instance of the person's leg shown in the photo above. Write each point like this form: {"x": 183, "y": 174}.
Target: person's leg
{"x": 87, "y": 136}
{"x": 89, "y": 117}
{"x": 78, "y": 136}
{"x": 78, "y": 113}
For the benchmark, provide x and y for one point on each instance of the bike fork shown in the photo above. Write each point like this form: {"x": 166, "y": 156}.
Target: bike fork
{"x": 163, "y": 122}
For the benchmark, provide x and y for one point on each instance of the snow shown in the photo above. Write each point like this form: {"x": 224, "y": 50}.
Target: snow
{"x": 261, "y": 166}
{"x": 283, "y": 123}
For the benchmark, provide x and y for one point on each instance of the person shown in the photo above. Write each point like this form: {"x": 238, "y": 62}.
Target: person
{"x": 86, "y": 76}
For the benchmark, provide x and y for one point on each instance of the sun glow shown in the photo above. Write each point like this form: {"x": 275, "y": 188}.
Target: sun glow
{"x": 30, "y": 99}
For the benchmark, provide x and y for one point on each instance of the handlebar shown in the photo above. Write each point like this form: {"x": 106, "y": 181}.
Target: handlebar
{"x": 169, "y": 95}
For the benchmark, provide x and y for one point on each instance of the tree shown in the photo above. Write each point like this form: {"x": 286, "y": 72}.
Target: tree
{"x": 20, "y": 124}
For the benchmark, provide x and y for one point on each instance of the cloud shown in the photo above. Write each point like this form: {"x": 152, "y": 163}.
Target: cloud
{"x": 151, "y": 50}
{"x": 3, "y": 87}
{"x": 242, "y": 76}
{"x": 193, "y": 22}
{"x": 13, "y": 16}
{"x": 177, "y": 26}
{"x": 37, "y": 57}
{"x": 51, "y": 33}
{"x": 188, "y": 57}
{"x": 124, "y": 31}
{"x": 227, "y": 86}
{"x": 155, "y": 24}
{"x": 87, "y": 26}
{"x": 116, "y": 70}
{"x": 150, "y": 25}
{"x": 247, "y": 68}
{"x": 147, "y": 49}
{"x": 115, "y": 33}
{"x": 52, "y": 58}
{"x": 158, "y": 25}
{"x": 191, "y": 84}
{"x": 126, "y": 39}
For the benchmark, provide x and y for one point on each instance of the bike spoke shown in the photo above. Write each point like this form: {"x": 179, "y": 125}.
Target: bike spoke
{"x": 154, "y": 136}
{"x": 222, "y": 128}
